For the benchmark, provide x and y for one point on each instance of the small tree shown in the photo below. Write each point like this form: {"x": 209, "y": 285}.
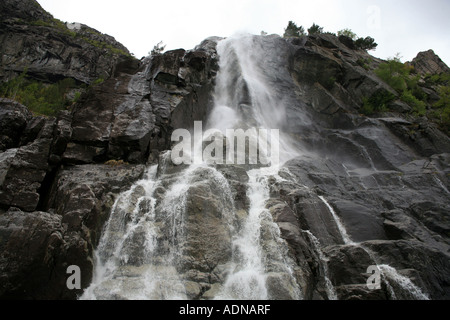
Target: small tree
{"x": 292, "y": 30}
{"x": 158, "y": 49}
{"x": 367, "y": 43}
{"x": 315, "y": 29}
{"x": 347, "y": 33}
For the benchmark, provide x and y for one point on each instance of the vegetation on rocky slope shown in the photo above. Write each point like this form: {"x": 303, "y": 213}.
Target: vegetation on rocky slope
{"x": 41, "y": 98}
{"x": 418, "y": 91}
{"x": 88, "y": 35}
{"x": 412, "y": 88}
{"x": 367, "y": 43}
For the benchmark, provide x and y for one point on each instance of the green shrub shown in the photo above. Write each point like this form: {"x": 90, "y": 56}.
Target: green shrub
{"x": 398, "y": 76}
{"x": 98, "y": 81}
{"x": 444, "y": 102}
{"x": 40, "y": 98}
{"x": 159, "y": 48}
{"x": 328, "y": 83}
{"x": 442, "y": 109}
{"x": 394, "y": 73}
{"x": 367, "y": 109}
{"x": 419, "y": 107}
{"x": 77, "y": 97}
{"x": 365, "y": 63}
{"x": 292, "y": 30}
{"x": 347, "y": 33}
{"x": 55, "y": 23}
{"x": 367, "y": 43}
{"x": 438, "y": 79}
{"x": 377, "y": 102}
{"x": 315, "y": 29}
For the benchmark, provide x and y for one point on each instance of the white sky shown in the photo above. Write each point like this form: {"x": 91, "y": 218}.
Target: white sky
{"x": 402, "y": 26}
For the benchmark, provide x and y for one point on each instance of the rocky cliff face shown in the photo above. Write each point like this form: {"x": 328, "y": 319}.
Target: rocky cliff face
{"x": 49, "y": 50}
{"x": 386, "y": 177}
{"x": 428, "y": 62}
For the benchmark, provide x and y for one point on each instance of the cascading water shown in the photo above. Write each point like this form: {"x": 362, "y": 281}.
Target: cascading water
{"x": 259, "y": 253}
{"x": 141, "y": 252}
{"x": 148, "y": 248}
{"x": 243, "y": 94}
{"x": 342, "y": 230}
{"x": 407, "y": 287}
{"x": 391, "y": 277}
{"x": 131, "y": 262}
{"x": 331, "y": 291}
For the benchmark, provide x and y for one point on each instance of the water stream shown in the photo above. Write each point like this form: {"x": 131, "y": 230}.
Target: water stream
{"x": 140, "y": 255}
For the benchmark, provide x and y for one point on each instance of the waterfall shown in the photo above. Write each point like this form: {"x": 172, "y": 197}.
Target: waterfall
{"x": 156, "y": 228}
{"x": 144, "y": 248}
{"x": 244, "y": 98}
{"x": 248, "y": 278}
{"x": 408, "y": 289}
{"x": 339, "y": 224}
{"x": 331, "y": 291}
{"x": 403, "y": 285}
{"x": 126, "y": 263}
{"x": 260, "y": 255}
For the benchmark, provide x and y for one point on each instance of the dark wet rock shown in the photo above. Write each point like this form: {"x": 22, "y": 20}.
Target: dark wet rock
{"x": 36, "y": 249}
{"x": 23, "y": 172}
{"x": 82, "y": 154}
{"x": 49, "y": 50}
{"x": 26, "y": 10}
{"x": 132, "y": 114}
{"x": 348, "y": 264}
{"x": 208, "y": 237}
{"x": 427, "y": 267}
{"x": 14, "y": 118}
{"x": 88, "y": 191}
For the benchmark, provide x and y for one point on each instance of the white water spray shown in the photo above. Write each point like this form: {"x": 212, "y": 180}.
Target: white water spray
{"x": 405, "y": 283}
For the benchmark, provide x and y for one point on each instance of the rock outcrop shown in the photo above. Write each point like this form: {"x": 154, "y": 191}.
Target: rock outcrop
{"x": 32, "y": 40}
{"x": 427, "y": 62}
{"x": 386, "y": 177}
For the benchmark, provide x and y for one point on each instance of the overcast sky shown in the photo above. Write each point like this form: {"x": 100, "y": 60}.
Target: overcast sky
{"x": 402, "y": 26}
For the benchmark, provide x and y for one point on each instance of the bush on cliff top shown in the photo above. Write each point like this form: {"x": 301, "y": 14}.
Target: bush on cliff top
{"x": 367, "y": 43}
{"x": 292, "y": 30}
